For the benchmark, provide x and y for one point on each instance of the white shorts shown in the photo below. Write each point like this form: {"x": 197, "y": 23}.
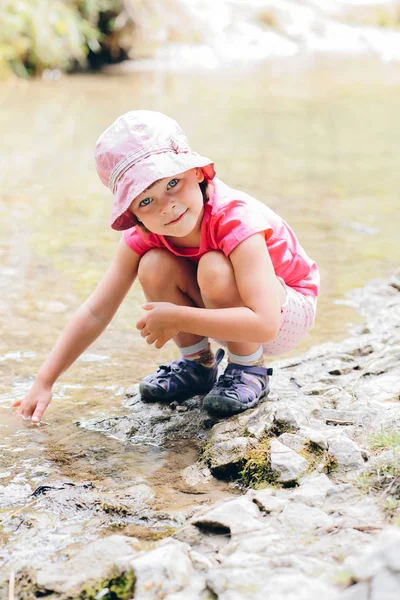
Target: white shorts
{"x": 297, "y": 318}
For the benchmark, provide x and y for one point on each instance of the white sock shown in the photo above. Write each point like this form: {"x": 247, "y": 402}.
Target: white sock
{"x": 245, "y": 360}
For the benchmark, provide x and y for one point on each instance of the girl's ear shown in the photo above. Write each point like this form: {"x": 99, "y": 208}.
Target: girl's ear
{"x": 199, "y": 174}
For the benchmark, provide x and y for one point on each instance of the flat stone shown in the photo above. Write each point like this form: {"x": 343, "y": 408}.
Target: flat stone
{"x": 167, "y": 569}
{"x": 196, "y": 475}
{"x": 385, "y": 586}
{"x": 267, "y": 502}
{"x": 348, "y": 455}
{"x": 313, "y": 489}
{"x": 336, "y": 417}
{"x": 286, "y": 463}
{"x": 382, "y": 388}
{"x": 359, "y": 591}
{"x": 92, "y": 563}
{"x": 318, "y": 438}
{"x": 236, "y": 517}
{"x": 301, "y": 517}
{"x": 292, "y": 440}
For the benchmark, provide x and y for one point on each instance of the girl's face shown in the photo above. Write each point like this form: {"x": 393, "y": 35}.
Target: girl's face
{"x": 171, "y": 206}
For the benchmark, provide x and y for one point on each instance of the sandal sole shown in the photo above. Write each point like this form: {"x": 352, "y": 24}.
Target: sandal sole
{"x": 227, "y": 406}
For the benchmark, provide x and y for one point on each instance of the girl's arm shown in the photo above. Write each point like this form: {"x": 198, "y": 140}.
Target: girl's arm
{"x": 86, "y": 325}
{"x": 259, "y": 288}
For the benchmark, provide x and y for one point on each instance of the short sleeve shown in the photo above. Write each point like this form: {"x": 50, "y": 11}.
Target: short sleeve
{"x": 140, "y": 242}
{"x": 238, "y": 220}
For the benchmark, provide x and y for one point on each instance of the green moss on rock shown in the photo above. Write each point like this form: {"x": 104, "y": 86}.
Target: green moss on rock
{"x": 256, "y": 471}
{"x": 121, "y": 586}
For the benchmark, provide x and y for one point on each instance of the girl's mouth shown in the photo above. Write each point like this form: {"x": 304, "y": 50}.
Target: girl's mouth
{"x": 178, "y": 219}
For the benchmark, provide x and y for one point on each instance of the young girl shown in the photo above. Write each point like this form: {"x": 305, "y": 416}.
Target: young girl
{"x": 212, "y": 261}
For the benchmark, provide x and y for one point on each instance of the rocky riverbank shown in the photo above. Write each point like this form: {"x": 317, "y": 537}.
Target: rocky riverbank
{"x": 313, "y": 481}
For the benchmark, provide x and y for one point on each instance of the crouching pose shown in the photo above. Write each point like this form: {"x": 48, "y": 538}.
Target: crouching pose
{"x": 213, "y": 262}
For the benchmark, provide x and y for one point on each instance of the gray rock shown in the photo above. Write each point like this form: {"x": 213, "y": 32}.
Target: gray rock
{"x": 235, "y": 517}
{"x": 267, "y": 501}
{"x": 92, "y": 563}
{"x": 382, "y": 554}
{"x": 259, "y": 421}
{"x": 287, "y": 464}
{"x": 313, "y": 489}
{"x": 360, "y": 591}
{"x": 348, "y": 455}
{"x": 225, "y": 458}
{"x": 317, "y": 437}
{"x": 302, "y": 518}
{"x": 292, "y": 440}
{"x": 196, "y": 474}
{"x": 385, "y": 586}
{"x": 383, "y": 388}
{"x": 167, "y": 569}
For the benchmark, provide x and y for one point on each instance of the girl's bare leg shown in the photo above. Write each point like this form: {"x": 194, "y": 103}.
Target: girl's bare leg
{"x": 168, "y": 278}
{"x": 218, "y": 288}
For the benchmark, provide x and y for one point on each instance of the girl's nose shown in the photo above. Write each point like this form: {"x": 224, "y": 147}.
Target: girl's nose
{"x": 167, "y": 205}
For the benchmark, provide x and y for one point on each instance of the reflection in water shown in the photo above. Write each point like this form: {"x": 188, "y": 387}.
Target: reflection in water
{"x": 316, "y": 142}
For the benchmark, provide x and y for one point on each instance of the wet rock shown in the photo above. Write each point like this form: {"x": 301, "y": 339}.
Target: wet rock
{"x": 196, "y": 474}
{"x": 286, "y": 463}
{"x": 154, "y": 423}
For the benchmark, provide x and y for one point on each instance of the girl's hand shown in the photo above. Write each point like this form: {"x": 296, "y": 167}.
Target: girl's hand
{"x": 35, "y": 402}
{"x": 160, "y": 323}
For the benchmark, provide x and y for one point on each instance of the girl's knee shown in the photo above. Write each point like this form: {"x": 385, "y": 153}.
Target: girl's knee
{"x": 215, "y": 275}
{"x": 156, "y": 268}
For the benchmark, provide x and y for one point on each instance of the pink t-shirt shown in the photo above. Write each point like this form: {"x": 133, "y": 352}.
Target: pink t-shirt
{"x": 230, "y": 217}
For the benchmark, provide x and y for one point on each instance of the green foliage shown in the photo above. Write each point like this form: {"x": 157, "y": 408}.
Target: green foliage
{"x": 50, "y": 34}
{"x": 385, "y": 439}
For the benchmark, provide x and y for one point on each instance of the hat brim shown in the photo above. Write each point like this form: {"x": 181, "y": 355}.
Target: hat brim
{"x": 140, "y": 176}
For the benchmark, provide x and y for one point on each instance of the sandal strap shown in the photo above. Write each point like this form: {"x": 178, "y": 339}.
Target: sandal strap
{"x": 260, "y": 371}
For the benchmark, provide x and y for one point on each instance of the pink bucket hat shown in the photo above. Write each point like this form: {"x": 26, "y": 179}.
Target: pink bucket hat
{"x": 139, "y": 148}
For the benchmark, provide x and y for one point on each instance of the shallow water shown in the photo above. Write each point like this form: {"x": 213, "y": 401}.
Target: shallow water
{"x": 315, "y": 139}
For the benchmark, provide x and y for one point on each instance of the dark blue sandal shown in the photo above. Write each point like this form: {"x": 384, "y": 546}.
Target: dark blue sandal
{"x": 241, "y": 387}
{"x": 180, "y": 380}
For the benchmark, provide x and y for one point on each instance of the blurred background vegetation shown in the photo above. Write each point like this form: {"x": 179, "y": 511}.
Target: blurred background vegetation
{"x": 70, "y": 35}
{"x": 73, "y": 35}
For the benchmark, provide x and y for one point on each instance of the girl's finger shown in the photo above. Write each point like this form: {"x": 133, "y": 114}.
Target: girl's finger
{"x": 16, "y": 403}
{"x": 151, "y": 338}
{"x": 149, "y": 305}
{"x": 141, "y": 323}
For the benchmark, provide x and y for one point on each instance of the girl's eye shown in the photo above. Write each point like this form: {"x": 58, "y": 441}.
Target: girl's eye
{"x": 145, "y": 201}
{"x": 172, "y": 183}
